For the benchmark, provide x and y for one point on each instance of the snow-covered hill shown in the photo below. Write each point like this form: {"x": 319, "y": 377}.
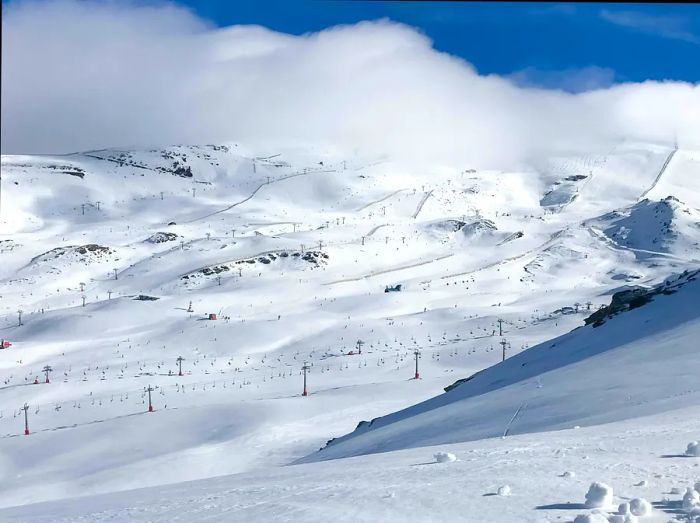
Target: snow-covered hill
{"x": 595, "y": 374}
{"x": 118, "y": 259}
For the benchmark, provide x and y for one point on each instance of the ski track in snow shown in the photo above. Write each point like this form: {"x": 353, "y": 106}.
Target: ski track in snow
{"x": 421, "y": 204}
{"x": 661, "y": 173}
{"x": 255, "y": 191}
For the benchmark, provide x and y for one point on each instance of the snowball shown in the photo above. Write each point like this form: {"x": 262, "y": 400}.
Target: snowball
{"x": 569, "y": 474}
{"x": 599, "y": 495}
{"x": 445, "y": 457}
{"x": 693, "y": 449}
{"x": 624, "y": 508}
{"x": 591, "y": 518}
{"x": 640, "y": 507}
{"x": 618, "y": 518}
{"x": 504, "y": 490}
{"x": 691, "y": 499}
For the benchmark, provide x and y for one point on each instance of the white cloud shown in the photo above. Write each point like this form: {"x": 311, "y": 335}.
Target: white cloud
{"x": 576, "y": 80}
{"x": 667, "y": 26}
{"x": 83, "y": 75}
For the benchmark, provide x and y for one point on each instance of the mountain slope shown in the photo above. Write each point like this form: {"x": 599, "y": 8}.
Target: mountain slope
{"x": 593, "y": 375}
{"x": 119, "y": 258}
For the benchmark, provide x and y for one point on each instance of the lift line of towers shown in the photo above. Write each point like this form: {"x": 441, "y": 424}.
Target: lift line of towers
{"x": 306, "y": 368}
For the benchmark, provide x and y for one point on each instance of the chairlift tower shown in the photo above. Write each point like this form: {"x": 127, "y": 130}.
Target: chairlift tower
{"x": 305, "y": 368}
{"x": 26, "y": 419}
{"x": 503, "y": 343}
{"x": 150, "y": 404}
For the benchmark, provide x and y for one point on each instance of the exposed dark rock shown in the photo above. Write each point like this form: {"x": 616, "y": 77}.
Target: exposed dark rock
{"x": 92, "y": 248}
{"x": 635, "y": 297}
{"x": 162, "y": 237}
{"x": 316, "y": 258}
{"x": 143, "y": 297}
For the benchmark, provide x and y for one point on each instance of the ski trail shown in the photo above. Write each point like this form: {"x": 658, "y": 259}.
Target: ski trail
{"x": 580, "y": 190}
{"x": 553, "y": 237}
{"x": 521, "y": 407}
{"x": 421, "y": 204}
{"x": 661, "y": 173}
{"x": 120, "y": 162}
{"x": 255, "y": 191}
{"x": 375, "y": 229}
{"x": 613, "y": 245}
{"x": 380, "y": 200}
{"x": 391, "y": 269}
{"x": 263, "y": 184}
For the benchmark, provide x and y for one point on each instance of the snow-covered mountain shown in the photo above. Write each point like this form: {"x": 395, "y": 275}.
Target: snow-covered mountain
{"x": 249, "y": 264}
{"x": 595, "y": 374}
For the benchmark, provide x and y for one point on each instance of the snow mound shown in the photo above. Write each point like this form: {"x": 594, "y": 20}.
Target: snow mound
{"x": 693, "y": 449}
{"x": 504, "y": 490}
{"x": 640, "y": 507}
{"x": 691, "y": 499}
{"x": 551, "y": 261}
{"x": 619, "y": 518}
{"x": 593, "y": 517}
{"x": 599, "y": 495}
{"x": 445, "y": 457}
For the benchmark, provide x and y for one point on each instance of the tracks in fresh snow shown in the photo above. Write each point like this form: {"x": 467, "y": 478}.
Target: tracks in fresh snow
{"x": 510, "y": 423}
{"x": 255, "y": 191}
{"x": 418, "y": 263}
{"x": 391, "y": 269}
{"x": 661, "y": 173}
{"x": 553, "y": 237}
{"x": 612, "y": 244}
{"x": 380, "y": 200}
{"x": 375, "y": 229}
{"x": 421, "y": 204}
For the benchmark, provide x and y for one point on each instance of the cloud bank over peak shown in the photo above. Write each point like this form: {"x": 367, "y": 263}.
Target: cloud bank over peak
{"x": 87, "y": 75}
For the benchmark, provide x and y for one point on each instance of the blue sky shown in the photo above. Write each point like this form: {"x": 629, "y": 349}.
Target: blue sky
{"x": 571, "y": 46}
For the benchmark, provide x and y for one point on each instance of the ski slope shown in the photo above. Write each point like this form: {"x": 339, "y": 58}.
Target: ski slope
{"x": 548, "y": 475}
{"x": 560, "y": 383}
{"x": 116, "y": 259}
